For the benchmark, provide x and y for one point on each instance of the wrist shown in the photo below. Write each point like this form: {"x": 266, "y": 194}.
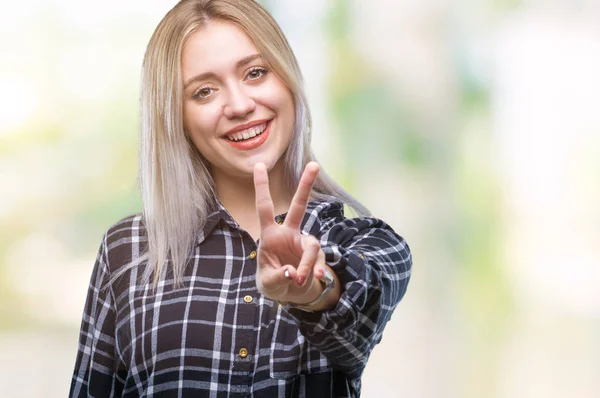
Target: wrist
{"x": 328, "y": 289}
{"x": 313, "y": 293}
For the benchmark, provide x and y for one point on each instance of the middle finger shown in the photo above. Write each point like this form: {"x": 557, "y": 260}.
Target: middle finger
{"x": 300, "y": 200}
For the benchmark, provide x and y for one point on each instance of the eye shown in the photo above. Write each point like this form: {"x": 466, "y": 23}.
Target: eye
{"x": 203, "y": 92}
{"x": 256, "y": 73}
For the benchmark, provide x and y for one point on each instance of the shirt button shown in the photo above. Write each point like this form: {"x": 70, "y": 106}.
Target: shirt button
{"x": 243, "y": 353}
{"x": 253, "y": 254}
{"x": 248, "y": 299}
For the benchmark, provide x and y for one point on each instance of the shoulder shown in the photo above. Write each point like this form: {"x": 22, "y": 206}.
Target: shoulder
{"x": 323, "y": 209}
{"x": 319, "y": 212}
{"x": 124, "y": 241}
{"x": 125, "y": 231}
{"x": 327, "y": 220}
{"x": 331, "y": 214}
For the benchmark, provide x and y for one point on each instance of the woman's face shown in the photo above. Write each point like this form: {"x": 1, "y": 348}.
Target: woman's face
{"x": 236, "y": 111}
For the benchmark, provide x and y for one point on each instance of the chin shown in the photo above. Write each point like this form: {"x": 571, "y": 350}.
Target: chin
{"x": 269, "y": 161}
{"x": 244, "y": 167}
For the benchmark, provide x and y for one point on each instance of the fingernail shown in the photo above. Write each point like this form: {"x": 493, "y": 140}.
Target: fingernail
{"x": 300, "y": 280}
{"x": 287, "y": 274}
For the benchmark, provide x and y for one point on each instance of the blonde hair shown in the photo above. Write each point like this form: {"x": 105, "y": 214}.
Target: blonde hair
{"x": 176, "y": 187}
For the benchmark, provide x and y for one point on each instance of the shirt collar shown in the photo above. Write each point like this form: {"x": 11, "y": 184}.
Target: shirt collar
{"x": 222, "y": 215}
{"x": 212, "y": 220}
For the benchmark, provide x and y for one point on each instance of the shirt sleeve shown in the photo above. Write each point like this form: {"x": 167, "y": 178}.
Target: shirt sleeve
{"x": 94, "y": 374}
{"x": 373, "y": 264}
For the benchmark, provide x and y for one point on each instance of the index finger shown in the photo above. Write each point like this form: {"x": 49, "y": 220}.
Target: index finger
{"x": 264, "y": 203}
{"x": 300, "y": 200}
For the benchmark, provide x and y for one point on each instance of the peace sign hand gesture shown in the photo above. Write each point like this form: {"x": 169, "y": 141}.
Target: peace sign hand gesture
{"x": 287, "y": 259}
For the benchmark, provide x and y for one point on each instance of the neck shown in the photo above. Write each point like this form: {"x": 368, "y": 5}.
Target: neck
{"x": 237, "y": 195}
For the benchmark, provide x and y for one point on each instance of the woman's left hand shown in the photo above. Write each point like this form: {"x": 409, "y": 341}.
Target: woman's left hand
{"x": 288, "y": 260}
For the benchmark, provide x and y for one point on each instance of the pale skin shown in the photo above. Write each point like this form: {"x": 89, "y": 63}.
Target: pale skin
{"x": 227, "y": 84}
{"x": 284, "y": 248}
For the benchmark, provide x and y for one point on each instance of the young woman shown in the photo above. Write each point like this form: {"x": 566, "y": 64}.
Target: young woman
{"x": 242, "y": 277}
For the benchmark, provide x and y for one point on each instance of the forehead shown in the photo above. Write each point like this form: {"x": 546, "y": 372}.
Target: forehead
{"x": 216, "y": 47}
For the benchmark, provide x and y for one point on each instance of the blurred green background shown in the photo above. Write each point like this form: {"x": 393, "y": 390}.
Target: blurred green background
{"x": 473, "y": 128}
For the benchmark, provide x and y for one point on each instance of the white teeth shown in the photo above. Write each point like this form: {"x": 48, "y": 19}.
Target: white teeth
{"x": 248, "y": 133}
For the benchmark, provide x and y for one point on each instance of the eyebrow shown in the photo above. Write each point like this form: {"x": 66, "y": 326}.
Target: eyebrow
{"x": 203, "y": 76}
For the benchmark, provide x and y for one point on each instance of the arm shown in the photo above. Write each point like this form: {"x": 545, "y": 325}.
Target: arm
{"x": 94, "y": 374}
{"x": 371, "y": 261}
{"x": 373, "y": 265}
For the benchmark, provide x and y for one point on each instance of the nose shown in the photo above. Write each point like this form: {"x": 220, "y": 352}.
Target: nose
{"x": 239, "y": 104}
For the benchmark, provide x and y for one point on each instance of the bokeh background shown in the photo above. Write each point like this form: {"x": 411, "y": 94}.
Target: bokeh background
{"x": 473, "y": 127}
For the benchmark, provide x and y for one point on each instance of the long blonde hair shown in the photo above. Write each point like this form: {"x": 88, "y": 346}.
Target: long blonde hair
{"x": 176, "y": 187}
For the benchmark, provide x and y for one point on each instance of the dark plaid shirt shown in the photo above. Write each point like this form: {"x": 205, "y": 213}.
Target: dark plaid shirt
{"x": 216, "y": 336}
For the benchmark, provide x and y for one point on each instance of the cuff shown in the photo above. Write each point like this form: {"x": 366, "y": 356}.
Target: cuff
{"x": 351, "y": 269}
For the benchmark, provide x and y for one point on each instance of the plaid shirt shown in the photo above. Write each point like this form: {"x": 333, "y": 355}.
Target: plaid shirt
{"x": 216, "y": 336}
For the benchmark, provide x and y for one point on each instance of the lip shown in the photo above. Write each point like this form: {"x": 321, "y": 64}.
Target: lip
{"x": 253, "y": 142}
{"x": 245, "y": 126}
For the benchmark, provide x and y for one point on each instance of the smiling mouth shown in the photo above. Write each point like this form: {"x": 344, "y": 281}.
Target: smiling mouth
{"x": 244, "y": 135}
